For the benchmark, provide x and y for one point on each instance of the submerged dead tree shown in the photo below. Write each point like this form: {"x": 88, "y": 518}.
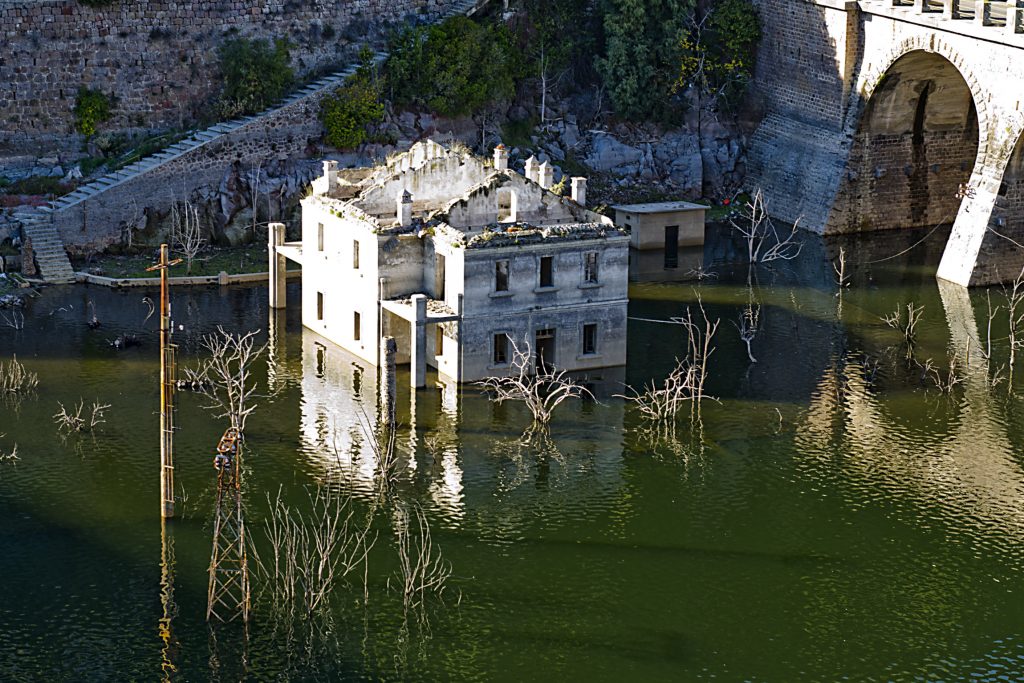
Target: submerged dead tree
{"x": 764, "y": 241}
{"x": 541, "y": 389}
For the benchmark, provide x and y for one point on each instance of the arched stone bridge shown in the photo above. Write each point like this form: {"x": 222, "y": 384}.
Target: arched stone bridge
{"x": 887, "y": 114}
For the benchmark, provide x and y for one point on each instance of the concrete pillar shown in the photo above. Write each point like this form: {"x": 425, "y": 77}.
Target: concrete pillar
{"x": 1014, "y": 14}
{"x": 278, "y": 281}
{"x": 531, "y": 171}
{"x": 500, "y": 158}
{"x": 460, "y": 307}
{"x": 547, "y": 175}
{"x": 579, "y": 190}
{"x": 982, "y": 12}
{"x": 404, "y": 209}
{"x": 418, "y": 347}
{"x": 331, "y": 173}
{"x": 388, "y": 380}
{"x": 950, "y": 9}
{"x": 920, "y": 6}
{"x": 419, "y": 154}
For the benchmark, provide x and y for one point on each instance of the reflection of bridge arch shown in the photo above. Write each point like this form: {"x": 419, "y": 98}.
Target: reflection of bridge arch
{"x": 916, "y": 143}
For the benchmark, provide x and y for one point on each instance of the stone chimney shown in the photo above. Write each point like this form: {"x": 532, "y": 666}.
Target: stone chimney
{"x": 547, "y": 176}
{"x": 331, "y": 173}
{"x": 579, "y": 190}
{"x": 404, "y": 211}
{"x": 500, "y": 158}
{"x": 531, "y": 172}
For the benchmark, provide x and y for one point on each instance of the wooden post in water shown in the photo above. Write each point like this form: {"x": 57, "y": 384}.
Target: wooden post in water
{"x": 388, "y": 380}
{"x": 167, "y": 358}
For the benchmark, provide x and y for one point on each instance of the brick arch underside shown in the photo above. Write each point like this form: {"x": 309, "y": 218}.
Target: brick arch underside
{"x": 915, "y": 144}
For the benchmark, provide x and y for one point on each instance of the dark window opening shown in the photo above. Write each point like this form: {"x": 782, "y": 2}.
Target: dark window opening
{"x": 439, "y": 341}
{"x": 321, "y": 360}
{"x": 500, "y": 348}
{"x": 589, "y": 338}
{"x": 590, "y": 267}
{"x": 501, "y": 276}
{"x": 545, "y": 348}
{"x": 319, "y": 305}
{"x": 355, "y": 254}
{"x": 672, "y": 246}
{"x": 547, "y": 271}
{"x": 356, "y": 326}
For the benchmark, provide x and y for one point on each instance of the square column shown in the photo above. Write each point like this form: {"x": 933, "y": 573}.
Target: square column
{"x": 418, "y": 347}
{"x": 277, "y": 284}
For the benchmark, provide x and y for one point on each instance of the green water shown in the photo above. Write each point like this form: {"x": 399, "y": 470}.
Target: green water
{"x": 834, "y": 516}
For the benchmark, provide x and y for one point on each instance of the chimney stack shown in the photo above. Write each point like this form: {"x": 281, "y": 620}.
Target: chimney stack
{"x": 404, "y": 209}
{"x": 531, "y": 169}
{"x": 547, "y": 176}
{"x": 500, "y": 158}
{"x": 579, "y": 190}
{"x": 331, "y": 174}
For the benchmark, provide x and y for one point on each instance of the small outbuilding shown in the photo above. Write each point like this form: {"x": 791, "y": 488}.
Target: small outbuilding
{"x": 662, "y": 236}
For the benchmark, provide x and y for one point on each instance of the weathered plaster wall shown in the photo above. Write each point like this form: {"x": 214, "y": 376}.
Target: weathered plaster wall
{"x": 158, "y": 57}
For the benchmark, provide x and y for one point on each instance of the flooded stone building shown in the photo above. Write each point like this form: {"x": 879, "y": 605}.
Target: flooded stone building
{"x": 463, "y": 261}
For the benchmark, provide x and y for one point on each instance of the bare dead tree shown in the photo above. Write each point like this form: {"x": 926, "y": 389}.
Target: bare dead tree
{"x": 11, "y": 455}
{"x": 186, "y": 232}
{"x": 905, "y": 325}
{"x": 13, "y": 319}
{"x": 945, "y": 381}
{"x": 15, "y": 379}
{"x": 748, "y": 326}
{"x": 764, "y": 242}
{"x": 542, "y": 391}
{"x": 310, "y": 555}
{"x": 382, "y": 440}
{"x": 1015, "y": 314}
{"x": 69, "y": 421}
{"x": 225, "y": 376}
{"x": 685, "y": 384}
{"x": 839, "y": 266}
{"x": 422, "y": 570}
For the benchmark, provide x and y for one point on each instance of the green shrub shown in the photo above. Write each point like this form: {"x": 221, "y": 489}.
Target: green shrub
{"x": 454, "y": 68}
{"x": 719, "y": 60}
{"x": 92, "y": 108}
{"x": 256, "y": 75}
{"x": 349, "y": 110}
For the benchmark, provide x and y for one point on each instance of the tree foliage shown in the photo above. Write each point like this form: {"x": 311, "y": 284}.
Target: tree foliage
{"x": 454, "y": 68}
{"x": 349, "y": 110}
{"x": 256, "y": 75}
{"x": 641, "y": 57}
{"x": 717, "y": 52}
{"x": 92, "y": 108}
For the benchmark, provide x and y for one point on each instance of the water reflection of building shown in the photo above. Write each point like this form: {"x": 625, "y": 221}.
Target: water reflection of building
{"x": 455, "y": 445}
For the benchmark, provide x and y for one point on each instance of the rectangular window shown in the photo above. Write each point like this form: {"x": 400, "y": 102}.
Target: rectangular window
{"x": 500, "y": 348}
{"x": 590, "y": 267}
{"x": 319, "y": 305}
{"x": 501, "y": 276}
{"x": 356, "y": 326}
{"x": 547, "y": 271}
{"x": 355, "y": 254}
{"x": 439, "y": 341}
{"x": 671, "y": 246}
{"x": 589, "y": 339}
{"x": 321, "y": 360}
{"x": 319, "y": 236}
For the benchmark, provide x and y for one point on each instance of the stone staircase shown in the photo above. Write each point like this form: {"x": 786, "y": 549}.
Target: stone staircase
{"x": 54, "y": 265}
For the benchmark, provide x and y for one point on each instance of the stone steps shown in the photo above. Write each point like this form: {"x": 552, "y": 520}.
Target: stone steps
{"x": 53, "y": 262}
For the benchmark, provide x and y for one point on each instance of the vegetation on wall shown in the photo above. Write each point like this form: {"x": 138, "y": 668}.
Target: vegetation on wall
{"x": 92, "y": 108}
{"x": 717, "y": 51}
{"x": 348, "y": 111}
{"x": 454, "y": 68}
{"x": 256, "y": 75}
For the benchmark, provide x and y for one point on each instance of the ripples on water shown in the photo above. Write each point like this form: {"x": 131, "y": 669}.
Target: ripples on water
{"x": 834, "y": 517}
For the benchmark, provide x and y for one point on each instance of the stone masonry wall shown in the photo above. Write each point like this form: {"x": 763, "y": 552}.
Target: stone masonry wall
{"x": 158, "y": 57}
{"x": 99, "y": 221}
{"x": 890, "y": 184}
{"x": 803, "y": 71}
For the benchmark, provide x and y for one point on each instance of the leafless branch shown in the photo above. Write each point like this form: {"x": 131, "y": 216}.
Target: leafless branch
{"x": 225, "y": 377}
{"x": 764, "y": 243}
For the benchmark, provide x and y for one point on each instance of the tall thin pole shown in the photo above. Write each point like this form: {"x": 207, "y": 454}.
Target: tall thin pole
{"x": 167, "y": 361}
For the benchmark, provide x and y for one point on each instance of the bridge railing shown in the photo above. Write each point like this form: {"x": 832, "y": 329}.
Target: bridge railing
{"x": 1006, "y": 14}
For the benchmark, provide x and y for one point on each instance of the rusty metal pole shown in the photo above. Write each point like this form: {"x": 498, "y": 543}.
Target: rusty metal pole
{"x": 166, "y": 395}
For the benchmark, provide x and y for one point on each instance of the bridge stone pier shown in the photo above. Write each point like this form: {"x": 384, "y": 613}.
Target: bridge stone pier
{"x": 889, "y": 114}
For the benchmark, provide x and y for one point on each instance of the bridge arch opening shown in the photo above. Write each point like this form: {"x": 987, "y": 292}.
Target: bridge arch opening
{"x": 915, "y": 147}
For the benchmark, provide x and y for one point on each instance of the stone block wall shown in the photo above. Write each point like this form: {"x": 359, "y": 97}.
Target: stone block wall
{"x": 158, "y": 57}
{"x": 100, "y": 221}
{"x": 889, "y": 184}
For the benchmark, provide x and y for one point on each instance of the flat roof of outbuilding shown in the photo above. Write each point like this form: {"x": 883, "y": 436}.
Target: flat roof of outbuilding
{"x": 660, "y": 207}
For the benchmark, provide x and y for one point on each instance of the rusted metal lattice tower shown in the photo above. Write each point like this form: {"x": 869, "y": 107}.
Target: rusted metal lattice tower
{"x": 168, "y": 355}
{"x": 228, "y": 595}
